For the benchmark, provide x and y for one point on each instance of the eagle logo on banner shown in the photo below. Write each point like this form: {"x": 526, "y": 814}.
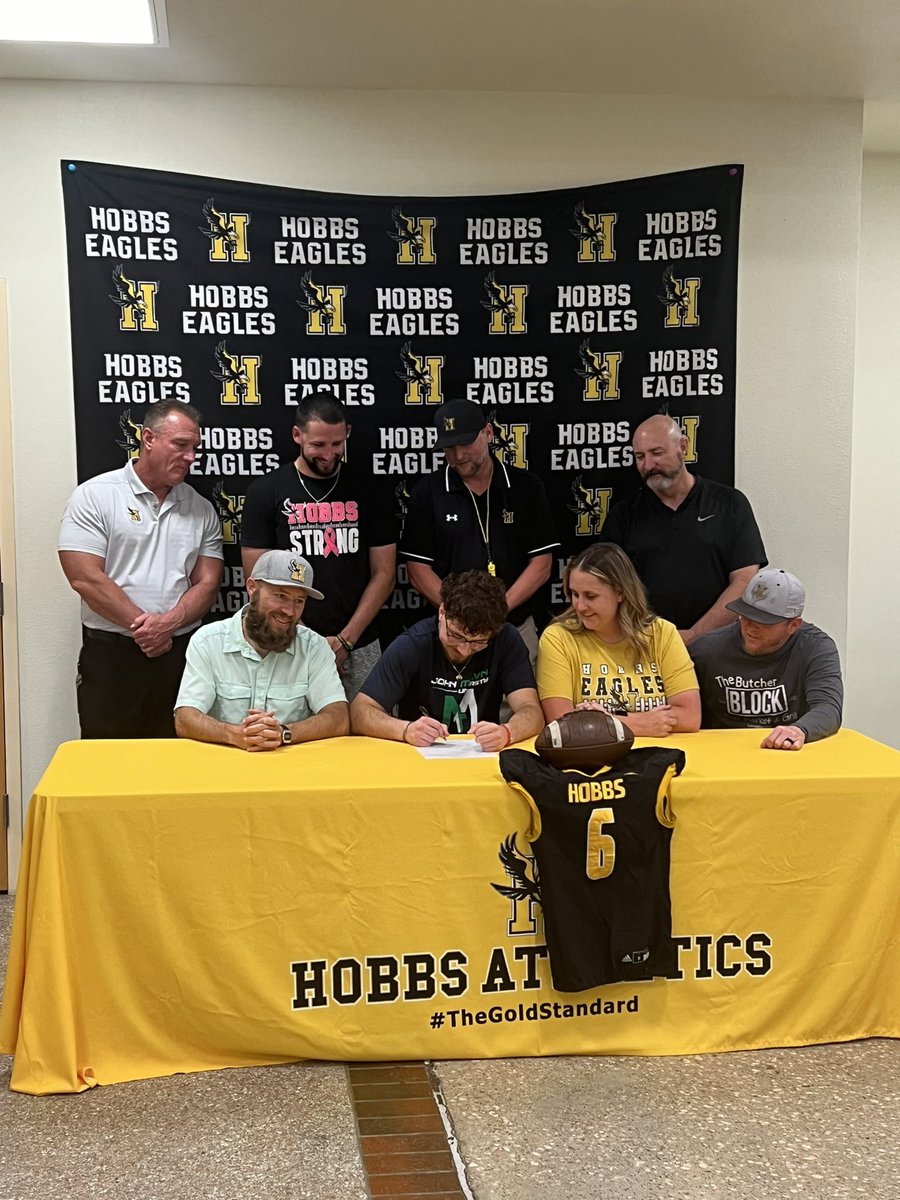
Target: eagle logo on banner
{"x": 325, "y": 306}
{"x": 414, "y": 238}
{"x": 599, "y": 371}
{"x": 594, "y": 232}
{"x": 316, "y": 299}
{"x": 680, "y": 298}
{"x": 229, "y": 509}
{"x": 219, "y": 226}
{"x": 407, "y": 231}
{"x": 591, "y": 506}
{"x": 506, "y": 304}
{"x": 127, "y": 295}
{"x": 415, "y": 375}
{"x": 401, "y": 495}
{"x": 231, "y": 372}
{"x": 132, "y": 434}
{"x": 498, "y": 301}
{"x": 510, "y": 440}
{"x": 136, "y": 301}
{"x": 227, "y": 233}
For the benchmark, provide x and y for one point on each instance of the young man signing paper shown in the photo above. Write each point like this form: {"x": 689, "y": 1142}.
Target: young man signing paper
{"x": 450, "y": 673}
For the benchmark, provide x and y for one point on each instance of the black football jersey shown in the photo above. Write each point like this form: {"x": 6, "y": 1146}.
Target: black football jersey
{"x": 602, "y": 846}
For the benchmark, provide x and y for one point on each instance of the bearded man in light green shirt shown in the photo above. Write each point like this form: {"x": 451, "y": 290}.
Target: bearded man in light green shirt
{"x": 260, "y": 680}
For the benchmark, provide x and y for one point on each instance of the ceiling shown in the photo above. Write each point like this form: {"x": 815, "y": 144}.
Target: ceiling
{"x": 799, "y": 49}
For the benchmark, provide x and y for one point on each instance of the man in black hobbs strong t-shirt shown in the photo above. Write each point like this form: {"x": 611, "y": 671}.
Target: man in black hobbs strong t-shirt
{"x": 341, "y": 521}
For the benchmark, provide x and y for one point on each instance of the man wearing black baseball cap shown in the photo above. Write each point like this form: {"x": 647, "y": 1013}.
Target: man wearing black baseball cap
{"x": 479, "y": 513}
{"x": 772, "y": 668}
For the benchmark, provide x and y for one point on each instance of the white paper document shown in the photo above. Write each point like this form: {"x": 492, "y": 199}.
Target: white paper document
{"x": 455, "y": 748}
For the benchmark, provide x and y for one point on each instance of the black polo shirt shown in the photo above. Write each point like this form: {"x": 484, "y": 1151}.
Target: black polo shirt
{"x": 685, "y": 555}
{"x": 443, "y": 530}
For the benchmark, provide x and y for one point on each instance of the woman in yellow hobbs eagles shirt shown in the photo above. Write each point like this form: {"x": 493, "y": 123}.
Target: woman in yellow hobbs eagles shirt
{"x": 609, "y": 651}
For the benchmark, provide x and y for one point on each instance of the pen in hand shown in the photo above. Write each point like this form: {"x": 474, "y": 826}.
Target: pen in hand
{"x": 425, "y": 713}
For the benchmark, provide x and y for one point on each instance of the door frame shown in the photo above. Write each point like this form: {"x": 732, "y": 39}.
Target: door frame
{"x": 9, "y": 666}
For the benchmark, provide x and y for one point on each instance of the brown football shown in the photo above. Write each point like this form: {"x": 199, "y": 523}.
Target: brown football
{"x": 584, "y": 740}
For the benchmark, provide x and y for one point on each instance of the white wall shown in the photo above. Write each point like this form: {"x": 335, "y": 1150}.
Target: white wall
{"x": 873, "y": 641}
{"x": 797, "y": 277}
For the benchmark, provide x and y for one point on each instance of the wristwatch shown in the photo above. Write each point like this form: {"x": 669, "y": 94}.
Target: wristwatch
{"x": 286, "y": 738}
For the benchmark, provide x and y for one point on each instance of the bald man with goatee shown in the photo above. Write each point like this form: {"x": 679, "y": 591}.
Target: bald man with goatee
{"x": 695, "y": 543}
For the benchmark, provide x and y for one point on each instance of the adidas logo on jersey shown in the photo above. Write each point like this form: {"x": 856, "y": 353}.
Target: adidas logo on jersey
{"x": 638, "y": 956}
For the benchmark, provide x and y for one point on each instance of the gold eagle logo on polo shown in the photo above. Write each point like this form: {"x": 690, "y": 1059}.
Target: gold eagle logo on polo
{"x": 134, "y": 514}
{"x": 297, "y": 570}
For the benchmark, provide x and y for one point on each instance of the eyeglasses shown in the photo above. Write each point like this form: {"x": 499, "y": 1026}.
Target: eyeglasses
{"x": 453, "y": 635}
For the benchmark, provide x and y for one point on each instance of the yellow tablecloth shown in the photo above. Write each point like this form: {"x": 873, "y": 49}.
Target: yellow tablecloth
{"x": 184, "y": 907}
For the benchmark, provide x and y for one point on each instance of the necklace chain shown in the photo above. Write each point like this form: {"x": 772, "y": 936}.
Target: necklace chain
{"x": 485, "y": 525}
{"x": 458, "y": 670}
{"x": 319, "y": 499}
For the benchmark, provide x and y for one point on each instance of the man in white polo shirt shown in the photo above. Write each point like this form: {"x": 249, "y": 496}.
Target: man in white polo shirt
{"x": 144, "y": 552}
{"x": 261, "y": 680}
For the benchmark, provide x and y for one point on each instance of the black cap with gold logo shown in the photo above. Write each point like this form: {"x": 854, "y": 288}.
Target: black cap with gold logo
{"x": 458, "y": 422}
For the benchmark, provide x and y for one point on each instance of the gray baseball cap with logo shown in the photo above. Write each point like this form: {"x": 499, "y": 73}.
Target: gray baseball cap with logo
{"x": 771, "y": 596}
{"x": 287, "y": 569}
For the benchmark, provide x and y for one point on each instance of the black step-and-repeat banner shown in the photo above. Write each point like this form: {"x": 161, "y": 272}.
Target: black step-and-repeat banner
{"x": 569, "y": 315}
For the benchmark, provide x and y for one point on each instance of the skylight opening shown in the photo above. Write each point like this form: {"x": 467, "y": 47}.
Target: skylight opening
{"x": 107, "y": 22}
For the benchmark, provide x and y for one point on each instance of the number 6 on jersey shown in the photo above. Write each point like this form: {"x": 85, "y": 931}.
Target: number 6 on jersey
{"x": 601, "y": 849}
